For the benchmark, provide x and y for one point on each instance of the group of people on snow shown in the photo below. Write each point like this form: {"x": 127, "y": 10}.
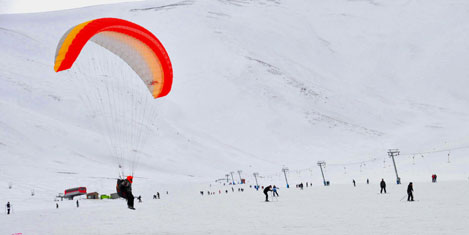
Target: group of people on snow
{"x": 124, "y": 190}
{"x": 272, "y": 189}
{"x": 156, "y": 196}
{"x": 410, "y": 189}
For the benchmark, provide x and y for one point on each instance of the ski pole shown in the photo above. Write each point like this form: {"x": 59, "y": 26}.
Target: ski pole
{"x": 403, "y": 197}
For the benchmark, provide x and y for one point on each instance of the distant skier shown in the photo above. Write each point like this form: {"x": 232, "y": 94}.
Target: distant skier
{"x": 383, "y": 186}
{"x": 8, "y": 208}
{"x": 124, "y": 189}
{"x": 78, "y": 204}
{"x": 158, "y": 195}
{"x": 274, "y": 191}
{"x": 57, "y": 205}
{"x": 266, "y": 191}
{"x": 354, "y": 184}
{"x": 434, "y": 178}
{"x": 410, "y": 190}
{"x": 367, "y": 181}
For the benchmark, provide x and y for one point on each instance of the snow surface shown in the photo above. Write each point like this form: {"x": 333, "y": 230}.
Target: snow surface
{"x": 439, "y": 208}
{"x": 258, "y": 85}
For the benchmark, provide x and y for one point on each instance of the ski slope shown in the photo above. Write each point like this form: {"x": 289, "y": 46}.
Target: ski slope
{"x": 439, "y": 209}
{"x": 258, "y": 85}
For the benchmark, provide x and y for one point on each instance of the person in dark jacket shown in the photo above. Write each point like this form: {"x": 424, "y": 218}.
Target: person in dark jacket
{"x": 266, "y": 191}
{"x": 383, "y": 186}
{"x": 124, "y": 189}
{"x": 410, "y": 190}
{"x": 78, "y": 204}
{"x": 354, "y": 183}
{"x": 8, "y": 208}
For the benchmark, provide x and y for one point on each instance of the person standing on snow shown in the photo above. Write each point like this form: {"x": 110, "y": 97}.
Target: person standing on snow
{"x": 78, "y": 204}
{"x": 354, "y": 184}
{"x": 266, "y": 191}
{"x": 274, "y": 191}
{"x": 383, "y": 186}
{"x": 124, "y": 189}
{"x": 8, "y": 208}
{"x": 410, "y": 190}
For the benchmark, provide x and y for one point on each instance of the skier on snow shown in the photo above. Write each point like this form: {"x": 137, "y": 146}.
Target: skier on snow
{"x": 124, "y": 189}
{"x": 383, "y": 186}
{"x": 410, "y": 190}
{"x": 8, "y": 208}
{"x": 266, "y": 191}
{"x": 274, "y": 191}
{"x": 434, "y": 178}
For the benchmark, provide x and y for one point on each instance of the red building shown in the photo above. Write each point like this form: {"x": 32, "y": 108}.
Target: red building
{"x": 72, "y": 192}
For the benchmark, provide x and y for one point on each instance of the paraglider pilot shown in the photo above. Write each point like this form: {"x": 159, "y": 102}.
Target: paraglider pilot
{"x": 124, "y": 190}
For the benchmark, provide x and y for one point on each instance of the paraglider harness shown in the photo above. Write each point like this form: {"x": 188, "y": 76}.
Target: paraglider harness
{"x": 124, "y": 187}
{"x": 118, "y": 188}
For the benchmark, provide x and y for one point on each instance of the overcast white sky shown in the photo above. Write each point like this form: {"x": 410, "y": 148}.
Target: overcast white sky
{"x": 26, "y": 6}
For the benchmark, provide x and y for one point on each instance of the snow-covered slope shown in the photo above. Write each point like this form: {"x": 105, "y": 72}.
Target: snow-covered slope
{"x": 257, "y": 85}
{"x": 339, "y": 209}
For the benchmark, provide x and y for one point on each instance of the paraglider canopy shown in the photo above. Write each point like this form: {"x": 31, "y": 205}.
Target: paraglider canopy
{"x": 138, "y": 47}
